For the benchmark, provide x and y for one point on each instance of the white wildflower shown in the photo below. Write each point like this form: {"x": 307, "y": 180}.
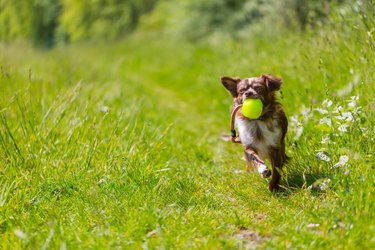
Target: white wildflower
{"x": 313, "y": 225}
{"x": 294, "y": 119}
{"x": 306, "y": 113}
{"x": 297, "y": 127}
{"x": 343, "y": 128}
{"x": 338, "y": 109}
{"x": 325, "y": 140}
{"x": 326, "y": 120}
{"x": 321, "y": 111}
{"x": 298, "y": 132}
{"x": 342, "y": 161}
{"x": 352, "y": 104}
{"x": 20, "y": 234}
{"x": 353, "y": 101}
{"x": 327, "y": 103}
{"x": 324, "y": 184}
{"x": 324, "y": 124}
{"x": 322, "y": 156}
{"x": 345, "y": 116}
{"x": 104, "y": 109}
{"x": 363, "y": 129}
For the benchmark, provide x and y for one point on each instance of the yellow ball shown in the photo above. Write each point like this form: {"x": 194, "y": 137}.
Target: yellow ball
{"x": 252, "y": 108}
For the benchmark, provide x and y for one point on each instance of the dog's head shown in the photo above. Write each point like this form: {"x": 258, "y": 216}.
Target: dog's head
{"x": 262, "y": 87}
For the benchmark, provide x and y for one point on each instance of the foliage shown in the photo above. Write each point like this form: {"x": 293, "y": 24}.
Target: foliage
{"x": 61, "y": 21}
{"x": 30, "y": 19}
{"x": 46, "y": 22}
{"x": 233, "y": 16}
{"x": 210, "y": 16}
{"x": 100, "y": 19}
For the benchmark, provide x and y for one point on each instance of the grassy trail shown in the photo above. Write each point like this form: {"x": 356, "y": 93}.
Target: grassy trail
{"x": 118, "y": 147}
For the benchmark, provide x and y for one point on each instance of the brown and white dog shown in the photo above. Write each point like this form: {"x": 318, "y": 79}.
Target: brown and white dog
{"x": 261, "y": 138}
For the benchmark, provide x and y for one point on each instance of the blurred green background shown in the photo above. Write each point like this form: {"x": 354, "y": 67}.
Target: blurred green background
{"x": 51, "y": 22}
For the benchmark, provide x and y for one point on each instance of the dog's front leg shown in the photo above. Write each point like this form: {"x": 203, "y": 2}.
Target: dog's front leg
{"x": 277, "y": 161}
{"x": 253, "y": 160}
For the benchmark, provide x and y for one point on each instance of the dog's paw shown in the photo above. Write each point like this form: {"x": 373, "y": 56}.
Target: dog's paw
{"x": 225, "y": 137}
{"x": 264, "y": 171}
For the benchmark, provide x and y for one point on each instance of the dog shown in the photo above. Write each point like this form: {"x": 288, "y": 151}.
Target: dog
{"x": 261, "y": 138}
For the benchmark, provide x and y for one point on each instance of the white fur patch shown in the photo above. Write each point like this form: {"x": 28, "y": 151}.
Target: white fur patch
{"x": 248, "y": 129}
{"x": 262, "y": 169}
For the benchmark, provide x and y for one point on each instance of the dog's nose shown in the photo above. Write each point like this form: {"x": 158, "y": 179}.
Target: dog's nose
{"x": 250, "y": 93}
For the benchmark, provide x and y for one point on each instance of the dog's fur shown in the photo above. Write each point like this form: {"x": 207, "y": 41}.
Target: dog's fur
{"x": 262, "y": 138}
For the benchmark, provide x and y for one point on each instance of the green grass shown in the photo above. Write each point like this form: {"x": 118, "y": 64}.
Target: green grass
{"x": 117, "y": 146}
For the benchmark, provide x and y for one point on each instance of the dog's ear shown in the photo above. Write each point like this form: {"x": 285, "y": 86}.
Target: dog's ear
{"x": 230, "y": 84}
{"x": 273, "y": 83}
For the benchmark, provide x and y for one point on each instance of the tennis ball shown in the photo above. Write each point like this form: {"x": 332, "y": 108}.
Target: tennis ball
{"x": 252, "y": 108}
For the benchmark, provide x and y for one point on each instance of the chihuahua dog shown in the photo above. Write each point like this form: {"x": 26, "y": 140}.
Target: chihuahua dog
{"x": 261, "y": 138}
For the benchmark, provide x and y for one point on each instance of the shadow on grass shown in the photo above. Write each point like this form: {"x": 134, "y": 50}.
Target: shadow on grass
{"x": 295, "y": 180}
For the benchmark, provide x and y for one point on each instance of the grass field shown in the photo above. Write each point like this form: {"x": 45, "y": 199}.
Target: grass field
{"x": 118, "y": 146}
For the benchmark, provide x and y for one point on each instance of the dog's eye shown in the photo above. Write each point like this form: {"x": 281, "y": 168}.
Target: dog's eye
{"x": 242, "y": 90}
{"x": 258, "y": 89}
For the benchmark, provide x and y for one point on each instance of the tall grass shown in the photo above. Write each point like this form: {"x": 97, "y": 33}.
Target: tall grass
{"x": 117, "y": 146}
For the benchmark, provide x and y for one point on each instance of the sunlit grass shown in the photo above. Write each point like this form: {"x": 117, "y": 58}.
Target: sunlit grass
{"x": 118, "y": 146}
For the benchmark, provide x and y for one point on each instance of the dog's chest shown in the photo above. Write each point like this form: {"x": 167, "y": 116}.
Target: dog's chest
{"x": 260, "y": 135}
